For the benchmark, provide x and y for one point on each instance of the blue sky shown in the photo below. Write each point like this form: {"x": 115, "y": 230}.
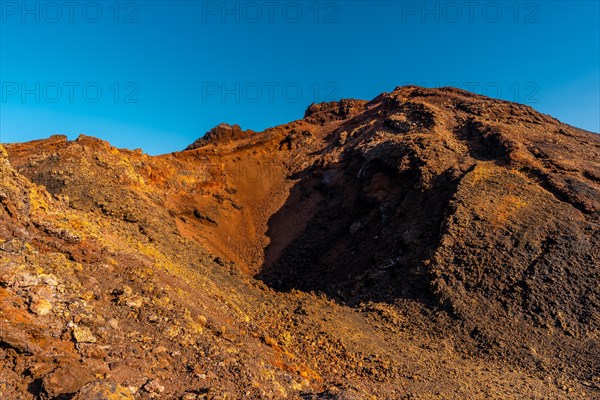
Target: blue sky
{"x": 156, "y": 75}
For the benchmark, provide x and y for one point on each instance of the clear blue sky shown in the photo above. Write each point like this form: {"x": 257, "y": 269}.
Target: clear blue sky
{"x": 169, "y": 71}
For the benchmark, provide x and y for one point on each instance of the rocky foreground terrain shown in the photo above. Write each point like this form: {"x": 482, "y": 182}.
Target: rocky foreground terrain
{"x": 430, "y": 243}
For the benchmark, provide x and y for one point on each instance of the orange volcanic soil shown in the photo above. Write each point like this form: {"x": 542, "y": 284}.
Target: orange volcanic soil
{"x": 430, "y": 243}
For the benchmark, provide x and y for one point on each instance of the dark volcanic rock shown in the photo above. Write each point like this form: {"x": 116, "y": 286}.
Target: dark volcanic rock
{"x": 320, "y": 113}
{"x": 428, "y": 240}
{"x": 220, "y": 134}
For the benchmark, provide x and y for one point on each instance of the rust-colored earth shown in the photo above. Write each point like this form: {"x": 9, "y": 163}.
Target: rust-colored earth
{"x": 427, "y": 244}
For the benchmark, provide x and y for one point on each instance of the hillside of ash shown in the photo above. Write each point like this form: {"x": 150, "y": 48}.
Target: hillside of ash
{"x": 429, "y": 243}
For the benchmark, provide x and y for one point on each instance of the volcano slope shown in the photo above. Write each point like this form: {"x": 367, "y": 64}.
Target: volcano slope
{"x": 430, "y": 243}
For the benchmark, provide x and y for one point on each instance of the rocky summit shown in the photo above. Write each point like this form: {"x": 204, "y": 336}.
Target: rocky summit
{"x": 429, "y": 243}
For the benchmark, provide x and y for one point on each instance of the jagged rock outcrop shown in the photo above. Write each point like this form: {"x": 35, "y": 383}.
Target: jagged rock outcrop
{"x": 220, "y": 134}
{"x": 320, "y": 113}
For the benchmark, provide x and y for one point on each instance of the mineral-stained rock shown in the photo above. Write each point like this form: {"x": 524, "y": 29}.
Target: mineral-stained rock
{"x": 40, "y": 299}
{"x": 134, "y": 301}
{"x": 83, "y": 334}
{"x": 154, "y": 388}
{"x": 430, "y": 242}
{"x": 66, "y": 380}
{"x": 18, "y": 338}
{"x": 102, "y": 390}
{"x": 40, "y": 306}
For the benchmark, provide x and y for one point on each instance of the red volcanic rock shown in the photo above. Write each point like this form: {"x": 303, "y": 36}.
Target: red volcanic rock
{"x": 429, "y": 242}
{"x": 320, "y": 113}
{"x": 220, "y": 134}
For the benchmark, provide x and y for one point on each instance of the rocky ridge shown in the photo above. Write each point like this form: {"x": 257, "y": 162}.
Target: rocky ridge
{"x": 381, "y": 249}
